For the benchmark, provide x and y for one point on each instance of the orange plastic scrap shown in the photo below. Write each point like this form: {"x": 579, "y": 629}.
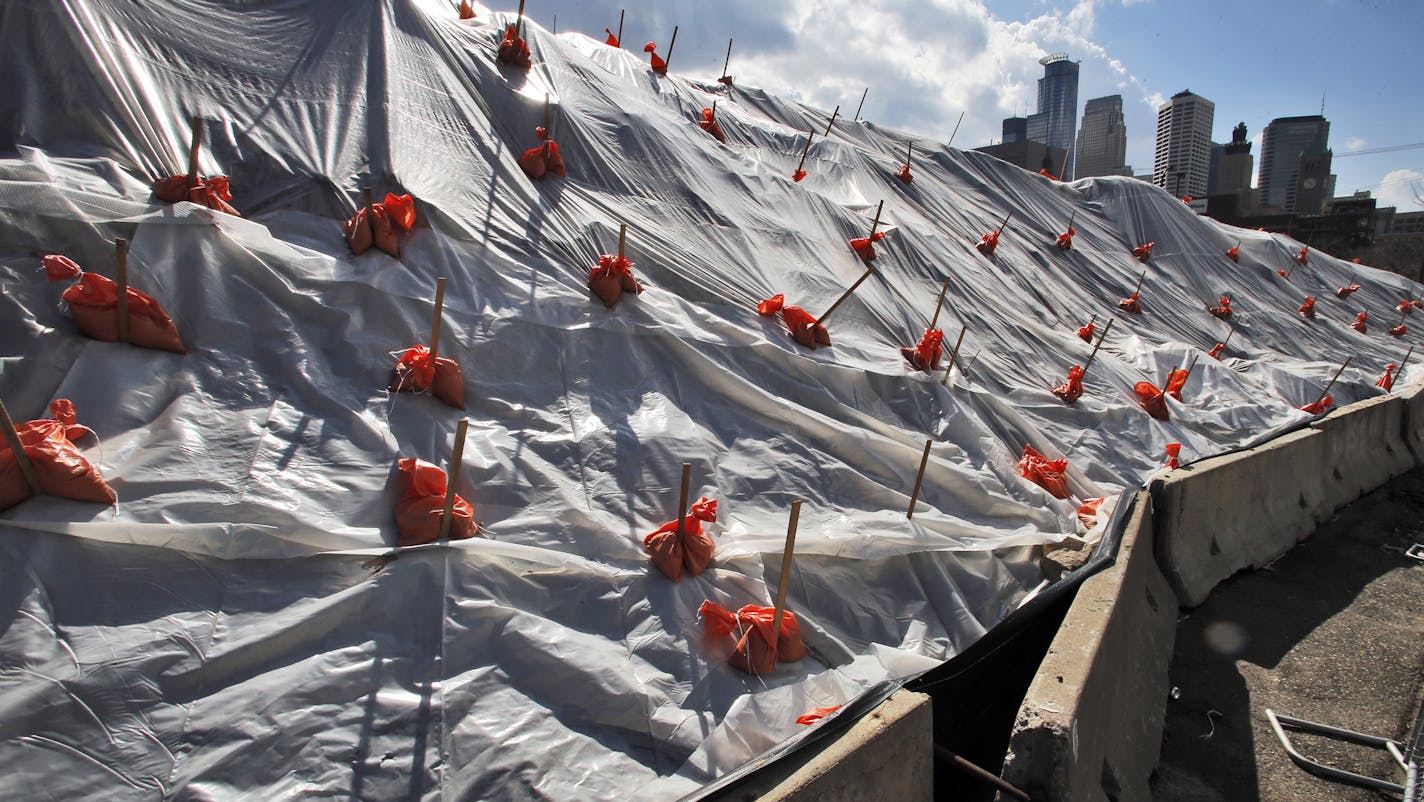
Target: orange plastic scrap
{"x": 1387, "y": 380}
{"x": 1088, "y": 512}
{"x": 1345, "y": 292}
{"x": 988, "y": 243}
{"x": 544, "y": 158}
{"x": 1144, "y": 252}
{"x": 379, "y": 225}
{"x": 418, "y": 372}
{"x": 1224, "y": 311}
{"x": 746, "y": 638}
{"x": 1398, "y": 331}
{"x": 94, "y": 302}
{"x": 1234, "y": 254}
{"x": 1044, "y": 472}
{"x": 512, "y": 49}
{"x": 466, "y": 11}
{"x": 212, "y": 192}
{"x": 1304, "y": 256}
{"x": 1132, "y": 304}
{"x": 1152, "y": 399}
{"x": 1216, "y": 351}
{"x": 422, "y": 504}
{"x": 1072, "y": 389}
{"x": 59, "y": 467}
{"x": 692, "y": 551}
{"x": 659, "y": 66}
{"x": 1174, "y": 451}
{"x": 1085, "y": 333}
{"x": 1361, "y": 323}
{"x": 1307, "y": 308}
{"x": 816, "y": 714}
{"x": 1319, "y": 407}
{"x": 611, "y": 277}
{"x": 926, "y": 354}
{"x": 709, "y": 124}
{"x": 864, "y": 247}
{"x": 1176, "y": 380}
{"x": 772, "y": 305}
{"x": 1065, "y": 240}
{"x": 612, "y": 40}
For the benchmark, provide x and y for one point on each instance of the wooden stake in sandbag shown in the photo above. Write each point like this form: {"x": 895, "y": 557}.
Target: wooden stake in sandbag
{"x": 1094, "y": 354}
{"x": 519, "y": 20}
{"x": 1333, "y": 379}
{"x": 875, "y": 224}
{"x": 954, "y": 354}
{"x": 726, "y": 79}
{"x": 939, "y": 305}
{"x": 452, "y": 478}
{"x": 668, "y": 61}
{"x": 834, "y": 115}
{"x": 862, "y": 103}
{"x": 810, "y": 136}
{"x": 621, "y": 12}
{"x": 785, "y": 580}
{"x": 435, "y": 317}
{"x": 919, "y": 479}
{"x": 622, "y": 238}
{"x": 1007, "y": 217}
{"x": 1399, "y": 371}
{"x": 195, "y": 141}
{"x": 121, "y": 279}
{"x": 682, "y": 498}
{"x": 27, "y": 468}
{"x": 863, "y": 276}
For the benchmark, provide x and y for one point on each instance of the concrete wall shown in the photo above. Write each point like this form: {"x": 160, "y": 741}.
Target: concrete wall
{"x": 1090, "y": 727}
{"x": 1091, "y": 724}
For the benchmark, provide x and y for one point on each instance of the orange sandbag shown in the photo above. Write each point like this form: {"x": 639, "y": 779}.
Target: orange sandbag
{"x": 798, "y": 175}
{"x": 816, "y": 714}
{"x": 1304, "y": 256}
{"x": 692, "y": 551}
{"x": 1405, "y": 307}
{"x": 1050, "y": 176}
{"x": 709, "y": 124}
{"x": 1044, "y": 472}
{"x": 1224, "y": 311}
{"x": 466, "y": 11}
{"x": 1174, "y": 452}
{"x": 213, "y": 192}
{"x": 904, "y": 175}
{"x": 1361, "y": 323}
{"x": 804, "y": 328}
{"x": 1152, "y": 399}
{"x": 380, "y": 224}
{"x": 1085, "y": 333}
{"x": 612, "y": 40}
{"x": 611, "y": 277}
{"x": 544, "y": 158}
{"x": 1088, "y": 512}
{"x": 1176, "y": 380}
{"x": 1307, "y": 308}
{"x": 422, "y": 503}
{"x": 1216, "y": 351}
{"x": 864, "y": 247}
{"x": 417, "y": 372}
{"x": 1144, "y": 252}
{"x": 1344, "y": 292}
{"x": 1234, "y": 254}
{"x": 1319, "y": 407}
{"x": 60, "y": 468}
{"x": 1131, "y": 304}
{"x": 659, "y": 66}
{"x": 1072, "y": 389}
{"x": 926, "y": 354}
{"x": 1065, "y": 240}
{"x": 512, "y": 49}
{"x": 1398, "y": 331}
{"x": 746, "y": 638}
{"x": 94, "y": 302}
{"x": 1386, "y": 382}
{"x": 988, "y": 243}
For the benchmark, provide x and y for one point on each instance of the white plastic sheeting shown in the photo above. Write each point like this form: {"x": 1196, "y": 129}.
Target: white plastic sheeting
{"x": 224, "y": 632}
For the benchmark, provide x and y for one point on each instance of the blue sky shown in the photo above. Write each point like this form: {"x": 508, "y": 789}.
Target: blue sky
{"x": 925, "y": 61}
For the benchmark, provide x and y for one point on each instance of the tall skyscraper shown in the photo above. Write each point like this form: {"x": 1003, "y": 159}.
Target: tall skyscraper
{"x": 1183, "y": 157}
{"x": 1015, "y": 129}
{"x": 1102, "y": 141}
{"x": 1057, "y": 117}
{"x": 1236, "y": 163}
{"x": 1295, "y": 164}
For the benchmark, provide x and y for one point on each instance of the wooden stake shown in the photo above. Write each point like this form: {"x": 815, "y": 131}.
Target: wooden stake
{"x": 1399, "y": 371}
{"x": 519, "y": 21}
{"x": 1072, "y": 217}
{"x": 834, "y": 115}
{"x": 366, "y": 197}
{"x": 682, "y": 497}
{"x": 1093, "y": 319}
{"x": 862, "y": 103}
{"x": 714, "y": 111}
{"x": 728, "y": 62}
{"x": 919, "y": 479}
{"x": 863, "y": 276}
{"x": 940, "y": 303}
{"x": 954, "y": 355}
{"x": 453, "y": 478}
{"x": 1140, "y": 279}
{"x": 1326, "y": 391}
{"x": 1006, "y": 222}
{"x": 909, "y": 155}
{"x": 671, "y": 45}
{"x": 18, "y": 449}
{"x": 622, "y": 238}
{"x": 1231, "y": 332}
{"x": 785, "y": 580}
{"x": 955, "y": 131}
{"x": 435, "y": 317}
{"x": 195, "y": 142}
{"x": 805, "y": 150}
{"x": 546, "y": 114}
{"x": 621, "y": 12}
{"x": 121, "y": 278}
{"x": 1094, "y": 354}
{"x": 876, "y": 223}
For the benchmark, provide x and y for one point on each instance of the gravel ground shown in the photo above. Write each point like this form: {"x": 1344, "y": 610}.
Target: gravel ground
{"x": 1332, "y": 632}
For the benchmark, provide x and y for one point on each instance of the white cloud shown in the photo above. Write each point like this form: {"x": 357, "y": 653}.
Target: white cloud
{"x": 1401, "y": 189}
{"x": 1355, "y": 143}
